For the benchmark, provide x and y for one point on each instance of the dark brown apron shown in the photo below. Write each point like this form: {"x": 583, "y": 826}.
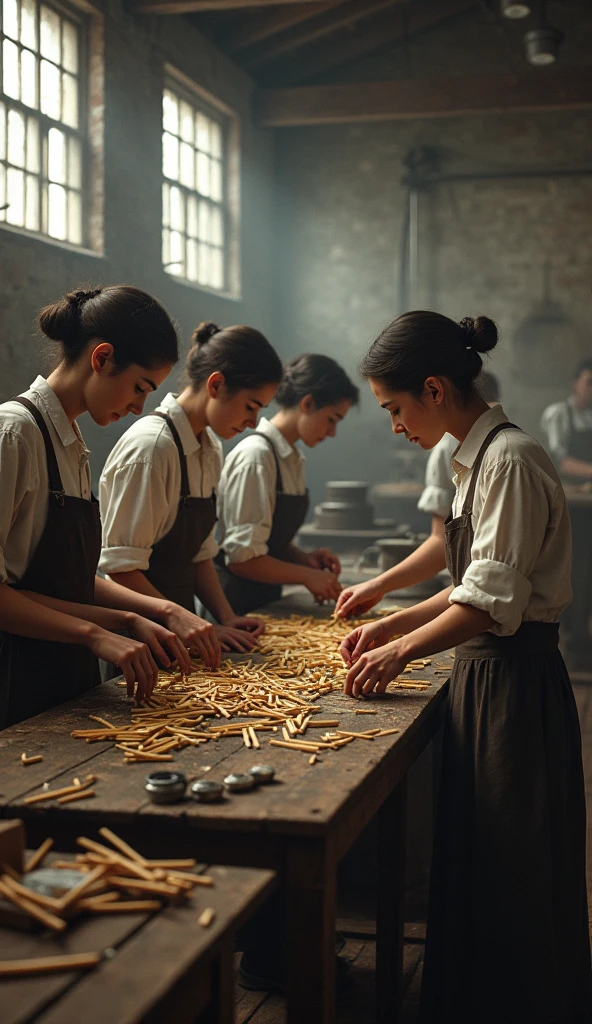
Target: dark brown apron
{"x": 577, "y": 617}
{"x": 171, "y": 568}
{"x": 38, "y": 674}
{"x": 289, "y": 514}
{"x": 507, "y": 938}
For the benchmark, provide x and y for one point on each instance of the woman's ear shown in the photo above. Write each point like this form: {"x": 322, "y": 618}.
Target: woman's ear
{"x": 101, "y": 356}
{"x": 307, "y": 404}
{"x": 214, "y": 384}
{"x": 434, "y": 390}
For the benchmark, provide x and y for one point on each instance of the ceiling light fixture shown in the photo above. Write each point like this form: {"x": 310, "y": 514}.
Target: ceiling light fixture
{"x": 514, "y": 10}
{"x": 542, "y": 46}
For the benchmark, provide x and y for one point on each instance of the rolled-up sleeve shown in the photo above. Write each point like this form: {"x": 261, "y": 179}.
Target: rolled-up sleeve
{"x": 249, "y": 504}
{"x": 16, "y": 463}
{"x": 439, "y": 491}
{"x": 134, "y": 508}
{"x": 209, "y": 548}
{"x": 556, "y": 429}
{"x": 507, "y": 543}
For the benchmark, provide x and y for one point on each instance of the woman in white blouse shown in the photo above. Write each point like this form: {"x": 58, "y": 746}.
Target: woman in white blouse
{"x": 436, "y": 499}
{"x": 263, "y": 495}
{"x": 507, "y": 935}
{"x": 57, "y": 618}
{"x": 158, "y": 487}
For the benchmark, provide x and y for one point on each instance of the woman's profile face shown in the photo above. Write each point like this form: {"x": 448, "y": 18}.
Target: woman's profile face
{"x": 420, "y": 419}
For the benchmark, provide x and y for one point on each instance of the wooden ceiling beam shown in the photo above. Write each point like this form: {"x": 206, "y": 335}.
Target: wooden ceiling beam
{"x": 201, "y": 6}
{"x": 400, "y": 24}
{"x": 262, "y": 26}
{"x": 421, "y": 98}
{"x": 345, "y": 16}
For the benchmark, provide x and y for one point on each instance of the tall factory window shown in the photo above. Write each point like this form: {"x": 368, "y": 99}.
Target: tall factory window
{"x": 200, "y": 187}
{"x": 42, "y": 122}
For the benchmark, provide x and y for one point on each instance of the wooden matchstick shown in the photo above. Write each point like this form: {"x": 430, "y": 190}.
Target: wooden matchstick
{"x": 38, "y": 856}
{"x": 48, "y": 964}
{"x": 35, "y": 759}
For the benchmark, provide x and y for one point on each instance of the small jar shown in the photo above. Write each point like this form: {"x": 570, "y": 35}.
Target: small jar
{"x": 206, "y": 791}
{"x": 166, "y": 787}
{"x": 237, "y": 783}
{"x": 263, "y": 774}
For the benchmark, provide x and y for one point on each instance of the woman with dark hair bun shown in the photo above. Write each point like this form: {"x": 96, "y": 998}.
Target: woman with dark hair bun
{"x": 507, "y": 936}
{"x": 263, "y": 495}
{"x": 159, "y": 484}
{"x": 56, "y": 616}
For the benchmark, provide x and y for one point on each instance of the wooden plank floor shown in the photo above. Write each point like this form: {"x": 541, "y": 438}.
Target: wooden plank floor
{"x": 358, "y": 1006}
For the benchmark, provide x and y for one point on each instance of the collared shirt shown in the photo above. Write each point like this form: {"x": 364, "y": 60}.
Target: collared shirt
{"x": 24, "y": 484}
{"x": 439, "y": 490}
{"x": 141, "y": 485}
{"x": 248, "y": 491}
{"x": 556, "y": 424}
{"x": 521, "y": 553}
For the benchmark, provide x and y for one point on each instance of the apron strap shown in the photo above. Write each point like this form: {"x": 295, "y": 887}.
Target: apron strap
{"x": 279, "y": 486}
{"x": 53, "y": 473}
{"x": 182, "y": 457}
{"x": 468, "y": 503}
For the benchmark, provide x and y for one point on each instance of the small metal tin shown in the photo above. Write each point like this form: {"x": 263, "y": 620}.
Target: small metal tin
{"x": 236, "y": 783}
{"x": 166, "y": 787}
{"x": 206, "y": 791}
{"x": 262, "y": 773}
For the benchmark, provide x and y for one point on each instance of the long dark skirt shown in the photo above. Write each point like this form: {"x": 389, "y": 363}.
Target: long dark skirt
{"x": 507, "y": 938}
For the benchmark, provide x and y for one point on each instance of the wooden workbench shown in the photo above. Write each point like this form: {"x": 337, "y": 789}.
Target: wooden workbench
{"x": 159, "y": 966}
{"x": 301, "y": 826}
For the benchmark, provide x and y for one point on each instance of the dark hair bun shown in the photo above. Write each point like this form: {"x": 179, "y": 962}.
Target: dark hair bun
{"x": 61, "y": 320}
{"x": 203, "y": 332}
{"x": 481, "y": 333}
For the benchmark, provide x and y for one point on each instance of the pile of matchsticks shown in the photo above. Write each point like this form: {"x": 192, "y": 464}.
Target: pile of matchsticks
{"x": 117, "y": 880}
{"x": 302, "y": 663}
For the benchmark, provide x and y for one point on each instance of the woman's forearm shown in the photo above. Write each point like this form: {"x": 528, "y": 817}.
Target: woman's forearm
{"x": 25, "y": 617}
{"x": 297, "y": 556}
{"x": 132, "y": 592}
{"x": 419, "y": 614}
{"x": 457, "y": 624}
{"x": 113, "y": 619}
{"x": 266, "y": 569}
{"x": 208, "y": 589}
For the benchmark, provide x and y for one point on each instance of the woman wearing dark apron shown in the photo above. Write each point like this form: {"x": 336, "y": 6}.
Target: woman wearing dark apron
{"x": 158, "y": 488}
{"x": 263, "y": 495}
{"x": 56, "y": 616}
{"x": 567, "y": 428}
{"x": 507, "y": 936}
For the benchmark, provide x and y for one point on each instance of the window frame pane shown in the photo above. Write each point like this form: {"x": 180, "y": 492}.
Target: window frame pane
{"x": 197, "y": 198}
{"x": 73, "y": 24}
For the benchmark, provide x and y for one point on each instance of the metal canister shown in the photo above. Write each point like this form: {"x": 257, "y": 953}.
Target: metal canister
{"x": 206, "y": 791}
{"x": 263, "y": 774}
{"x": 166, "y": 787}
{"x": 237, "y": 783}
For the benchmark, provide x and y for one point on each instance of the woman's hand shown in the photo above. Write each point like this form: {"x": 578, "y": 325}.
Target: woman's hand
{"x": 232, "y": 639}
{"x": 323, "y": 558}
{"x": 373, "y": 671}
{"x": 132, "y": 657}
{"x": 197, "y": 635}
{"x": 164, "y": 644}
{"x": 323, "y": 585}
{"x": 357, "y": 600}
{"x": 249, "y": 623}
{"x": 365, "y": 638}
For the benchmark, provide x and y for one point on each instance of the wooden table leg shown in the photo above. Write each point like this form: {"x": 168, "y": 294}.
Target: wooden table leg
{"x": 223, "y": 1009}
{"x": 390, "y": 910}
{"x": 311, "y": 906}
